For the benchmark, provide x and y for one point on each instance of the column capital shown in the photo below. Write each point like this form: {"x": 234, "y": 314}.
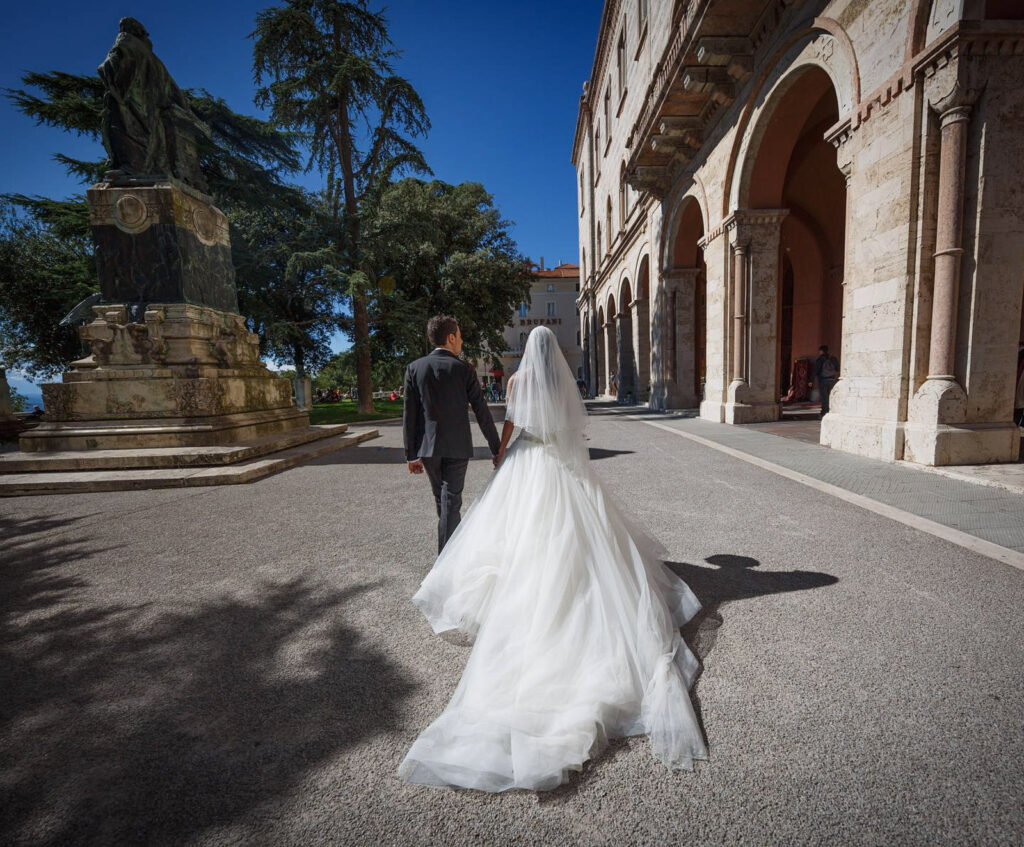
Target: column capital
{"x": 953, "y": 103}
{"x": 674, "y": 278}
{"x": 742, "y": 224}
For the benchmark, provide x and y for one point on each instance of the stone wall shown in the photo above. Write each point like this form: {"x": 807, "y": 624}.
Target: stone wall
{"x": 702, "y": 102}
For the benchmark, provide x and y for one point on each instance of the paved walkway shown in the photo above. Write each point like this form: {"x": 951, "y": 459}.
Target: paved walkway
{"x": 963, "y": 499}
{"x": 242, "y": 665}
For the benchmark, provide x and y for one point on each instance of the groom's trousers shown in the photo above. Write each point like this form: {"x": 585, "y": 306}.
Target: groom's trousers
{"x": 447, "y": 479}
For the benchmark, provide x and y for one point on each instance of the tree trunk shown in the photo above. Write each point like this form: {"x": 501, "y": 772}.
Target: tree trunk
{"x": 299, "y": 358}
{"x": 360, "y": 316}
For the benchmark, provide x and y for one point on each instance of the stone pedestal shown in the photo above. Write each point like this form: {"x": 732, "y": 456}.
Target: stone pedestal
{"x": 185, "y": 376}
{"x": 160, "y": 241}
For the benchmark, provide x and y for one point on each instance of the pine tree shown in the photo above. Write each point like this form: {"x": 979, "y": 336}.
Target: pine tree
{"x": 329, "y": 73}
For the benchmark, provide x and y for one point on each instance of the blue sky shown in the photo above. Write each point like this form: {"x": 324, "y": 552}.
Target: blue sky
{"x": 501, "y": 83}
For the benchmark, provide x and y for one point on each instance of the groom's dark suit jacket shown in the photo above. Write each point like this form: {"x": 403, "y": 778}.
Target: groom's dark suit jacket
{"x": 438, "y": 388}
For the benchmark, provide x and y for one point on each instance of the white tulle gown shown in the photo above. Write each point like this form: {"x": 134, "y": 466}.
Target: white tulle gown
{"x": 576, "y": 630}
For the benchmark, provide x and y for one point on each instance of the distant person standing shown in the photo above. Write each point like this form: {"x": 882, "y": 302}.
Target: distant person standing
{"x": 826, "y": 371}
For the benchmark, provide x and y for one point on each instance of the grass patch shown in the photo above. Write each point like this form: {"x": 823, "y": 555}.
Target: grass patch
{"x": 347, "y": 411}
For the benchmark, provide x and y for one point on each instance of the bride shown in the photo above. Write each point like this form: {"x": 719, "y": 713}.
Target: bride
{"x": 575, "y": 628}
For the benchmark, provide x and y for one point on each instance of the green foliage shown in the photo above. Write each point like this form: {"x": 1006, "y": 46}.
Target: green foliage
{"x": 46, "y": 268}
{"x": 19, "y": 402}
{"x": 288, "y": 283}
{"x": 449, "y": 252}
{"x": 340, "y": 371}
{"x": 328, "y": 72}
{"x": 325, "y": 69}
{"x": 347, "y": 411}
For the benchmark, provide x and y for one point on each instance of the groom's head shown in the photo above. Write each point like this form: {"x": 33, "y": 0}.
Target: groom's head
{"x": 443, "y": 331}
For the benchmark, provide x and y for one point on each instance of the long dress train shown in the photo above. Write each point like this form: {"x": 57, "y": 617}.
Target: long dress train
{"x": 576, "y": 633}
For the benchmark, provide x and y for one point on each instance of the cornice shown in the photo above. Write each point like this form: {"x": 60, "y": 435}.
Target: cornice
{"x": 609, "y": 14}
{"x": 965, "y": 38}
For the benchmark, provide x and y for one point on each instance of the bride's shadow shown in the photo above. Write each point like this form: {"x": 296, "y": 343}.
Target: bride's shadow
{"x": 730, "y": 578}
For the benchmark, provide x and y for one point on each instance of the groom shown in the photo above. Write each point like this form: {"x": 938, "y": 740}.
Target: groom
{"x": 438, "y": 388}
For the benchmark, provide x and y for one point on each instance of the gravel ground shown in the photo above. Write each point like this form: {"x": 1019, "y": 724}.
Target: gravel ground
{"x": 242, "y": 665}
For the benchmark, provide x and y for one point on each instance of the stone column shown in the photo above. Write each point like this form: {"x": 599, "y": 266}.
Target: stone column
{"x": 948, "y": 246}
{"x": 753, "y": 390}
{"x": 680, "y": 290}
{"x": 942, "y": 427}
{"x": 717, "y": 263}
{"x": 611, "y": 354}
{"x": 627, "y": 355}
{"x": 738, "y": 382}
{"x": 940, "y": 404}
{"x": 642, "y": 347}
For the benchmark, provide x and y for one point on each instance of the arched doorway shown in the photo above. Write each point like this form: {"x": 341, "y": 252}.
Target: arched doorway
{"x": 611, "y": 346}
{"x": 624, "y": 339}
{"x": 600, "y": 381}
{"x": 642, "y": 331}
{"x": 795, "y": 295}
{"x": 685, "y": 312}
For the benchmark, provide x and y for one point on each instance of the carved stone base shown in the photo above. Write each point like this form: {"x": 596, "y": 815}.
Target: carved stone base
{"x": 962, "y": 444}
{"x": 187, "y": 376}
{"x": 878, "y": 439}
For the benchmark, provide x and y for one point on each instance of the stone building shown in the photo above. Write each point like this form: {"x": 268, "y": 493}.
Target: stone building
{"x": 759, "y": 177}
{"x": 552, "y": 304}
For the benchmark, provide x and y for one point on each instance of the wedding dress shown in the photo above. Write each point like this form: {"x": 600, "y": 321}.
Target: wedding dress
{"x": 575, "y": 623}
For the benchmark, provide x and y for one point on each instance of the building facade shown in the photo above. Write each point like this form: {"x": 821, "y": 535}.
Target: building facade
{"x": 552, "y": 304}
{"x": 760, "y": 177}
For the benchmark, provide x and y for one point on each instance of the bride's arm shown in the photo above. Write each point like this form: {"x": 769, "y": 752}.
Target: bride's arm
{"x": 508, "y": 428}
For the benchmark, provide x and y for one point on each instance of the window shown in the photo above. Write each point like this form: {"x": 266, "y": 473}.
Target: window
{"x": 577, "y": 338}
{"x": 523, "y": 310}
{"x": 597, "y": 150}
{"x": 608, "y": 106}
{"x": 643, "y": 9}
{"x": 551, "y": 287}
{"x": 551, "y": 309}
{"x": 582, "y": 193}
{"x": 522, "y": 340}
{"x": 577, "y": 287}
{"x": 620, "y": 61}
{"x": 599, "y": 251}
{"x": 623, "y": 211}
{"x": 608, "y": 219}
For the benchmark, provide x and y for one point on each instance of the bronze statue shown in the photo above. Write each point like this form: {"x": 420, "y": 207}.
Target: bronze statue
{"x": 149, "y": 130}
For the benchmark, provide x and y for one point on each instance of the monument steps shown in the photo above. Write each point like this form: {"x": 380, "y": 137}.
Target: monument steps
{"x": 164, "y": 457}
{"x": 136, "y": 479}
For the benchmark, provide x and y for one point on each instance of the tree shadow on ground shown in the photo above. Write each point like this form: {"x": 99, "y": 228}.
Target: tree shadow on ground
{"x": 132, "y": 724}
{"x": 730, "y": 579}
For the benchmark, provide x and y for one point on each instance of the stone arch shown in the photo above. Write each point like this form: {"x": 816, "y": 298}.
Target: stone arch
{"x": 670, "y": 223}
{"x": 678, "y": 326}
{"x": 824, "y": 46}
{"x": 788, "y": 238}
{"x": 624, "y": 318}
{"x": 642, "y": 327}
{"x": 611, "y": 344}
